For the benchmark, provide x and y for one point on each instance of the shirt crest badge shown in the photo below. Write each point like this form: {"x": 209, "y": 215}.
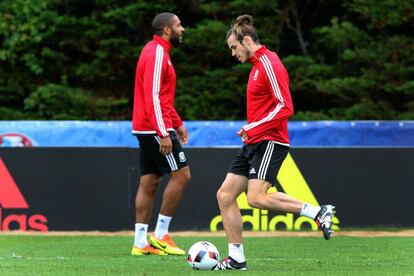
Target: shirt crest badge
{"x": 181, "y": 156}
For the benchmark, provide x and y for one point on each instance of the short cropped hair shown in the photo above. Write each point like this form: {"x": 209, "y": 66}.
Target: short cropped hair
{"x": 162, "y": 20}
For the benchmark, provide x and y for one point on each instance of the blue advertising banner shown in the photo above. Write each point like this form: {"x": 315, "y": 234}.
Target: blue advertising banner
{"x": 205, "y": 134}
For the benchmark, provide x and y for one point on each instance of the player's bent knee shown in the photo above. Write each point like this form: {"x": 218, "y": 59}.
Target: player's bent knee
{"x": 224, "y": 198}
{"x": 186, "y": 176}
{"x": 254, "y": 201}
{"x": 220, "y": 195}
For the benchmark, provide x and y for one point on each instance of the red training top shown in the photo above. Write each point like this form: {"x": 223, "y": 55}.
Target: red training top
{"x": 154, "y": 93}
{"x": 269, "y": 104}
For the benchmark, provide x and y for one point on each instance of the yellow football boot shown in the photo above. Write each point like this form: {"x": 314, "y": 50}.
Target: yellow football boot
{"x": 147, "y": 250}
{"x": 166, "y": 244}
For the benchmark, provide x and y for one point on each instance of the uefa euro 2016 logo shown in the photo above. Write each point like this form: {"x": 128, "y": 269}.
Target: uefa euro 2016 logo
{"x": 15, "y": 140}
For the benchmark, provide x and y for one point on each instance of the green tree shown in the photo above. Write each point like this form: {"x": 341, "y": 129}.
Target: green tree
{"x": 87, "y": 45}
{"x": 75, "y": 59}
{"x": 371, "y": 62}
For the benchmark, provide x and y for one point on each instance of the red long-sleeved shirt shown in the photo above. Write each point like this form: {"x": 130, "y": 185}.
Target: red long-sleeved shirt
{"x": 269, "y": 104}
{"x": 154, "y": 93}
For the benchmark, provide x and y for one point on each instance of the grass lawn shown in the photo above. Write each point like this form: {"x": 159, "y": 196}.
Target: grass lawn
{"x": 110, "y": 255}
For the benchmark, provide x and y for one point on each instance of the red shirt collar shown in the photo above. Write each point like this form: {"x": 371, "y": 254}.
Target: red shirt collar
{"x": 164, "y": 43}
{"x": 258, "y": 54}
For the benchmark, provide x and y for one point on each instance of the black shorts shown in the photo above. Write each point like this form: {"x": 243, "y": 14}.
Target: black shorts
{"x": 151, "y": 161}
{"x": 260, "y": 161}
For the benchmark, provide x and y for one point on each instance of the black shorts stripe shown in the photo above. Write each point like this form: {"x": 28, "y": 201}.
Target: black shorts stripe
{"x": 265, "y": 161}
{"x": 169, "y": 157}
{"x": 171, "y": 162}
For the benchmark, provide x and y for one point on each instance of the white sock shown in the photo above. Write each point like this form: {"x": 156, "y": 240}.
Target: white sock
{"x": 236, "y": 252}
{"x": 309, "y": 210}
{"x": 141, "y": 235}
{"x": 162, "y": 226}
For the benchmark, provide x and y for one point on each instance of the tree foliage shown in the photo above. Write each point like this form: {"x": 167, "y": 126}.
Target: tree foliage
{"x": 75, "y": 59}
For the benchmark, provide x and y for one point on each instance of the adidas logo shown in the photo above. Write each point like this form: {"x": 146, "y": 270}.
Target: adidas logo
{"x": 12, "y": 198}
{"x": 292, "y": 183}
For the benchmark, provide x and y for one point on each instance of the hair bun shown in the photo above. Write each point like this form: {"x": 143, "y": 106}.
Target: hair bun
{"x": 244, "y": 19}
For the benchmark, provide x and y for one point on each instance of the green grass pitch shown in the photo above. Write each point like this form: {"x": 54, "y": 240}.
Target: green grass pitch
{"x": 110, "y": 255}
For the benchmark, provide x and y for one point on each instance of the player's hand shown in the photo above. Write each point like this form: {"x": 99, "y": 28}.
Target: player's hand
{"x": 242, "y": 133}
{"x": 165, "y": 145}
{"x": 182, "y": 134}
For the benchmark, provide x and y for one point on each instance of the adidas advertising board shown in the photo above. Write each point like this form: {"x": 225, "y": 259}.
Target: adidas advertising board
{"x": 69, "y": 189}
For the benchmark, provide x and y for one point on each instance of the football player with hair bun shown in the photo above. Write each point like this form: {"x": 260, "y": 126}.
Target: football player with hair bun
{"x": 266, "y": 144}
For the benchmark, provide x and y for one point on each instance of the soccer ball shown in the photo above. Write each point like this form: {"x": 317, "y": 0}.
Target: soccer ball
{"x": 203, "y": 255}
